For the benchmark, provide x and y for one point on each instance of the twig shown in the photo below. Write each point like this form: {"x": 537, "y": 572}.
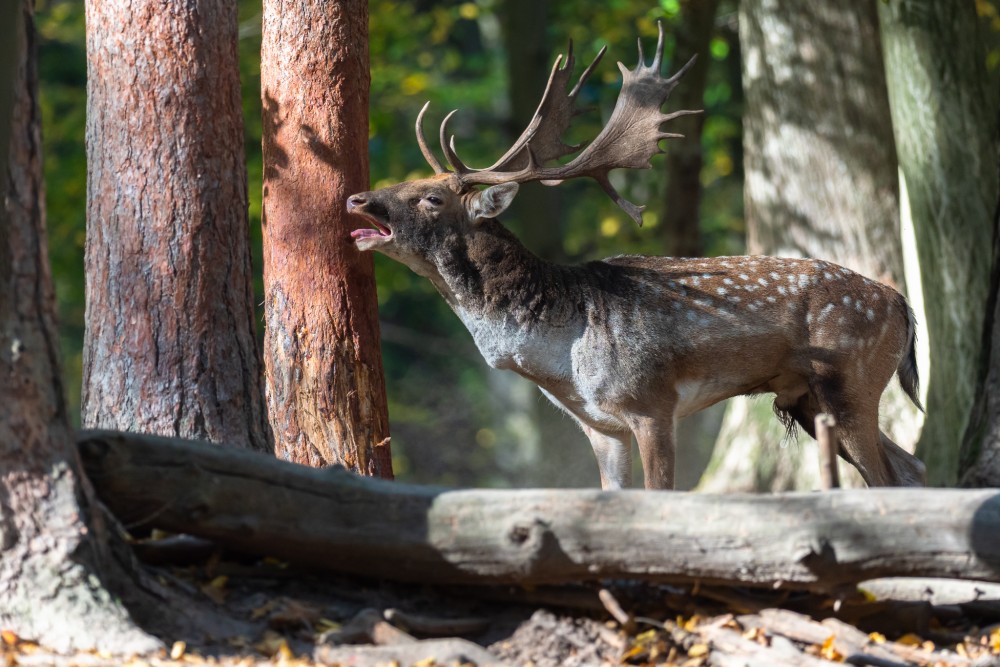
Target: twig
{"x": 826, "y": 436}
{"x": 615, "y": 609}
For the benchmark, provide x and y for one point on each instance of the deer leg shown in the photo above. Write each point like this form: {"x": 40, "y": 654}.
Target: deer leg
{"x": 655, "y": 436}
{"x": 614, "y": 457}
{"x": 858, "y": 432}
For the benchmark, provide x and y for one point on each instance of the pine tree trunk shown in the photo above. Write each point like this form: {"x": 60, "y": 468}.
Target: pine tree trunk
{"x": 58, "y": 583}
{"x": 680, "y": 219}
{"x": 944, "y": 113}
{"x": 325, "y": 388}
{"x": 170, "y": 346}
{"x": 820, "y": 182}
{"x": 980, "y": 455}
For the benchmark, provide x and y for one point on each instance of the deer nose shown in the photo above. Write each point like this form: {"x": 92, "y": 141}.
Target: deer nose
{"x": 355, "y": 201}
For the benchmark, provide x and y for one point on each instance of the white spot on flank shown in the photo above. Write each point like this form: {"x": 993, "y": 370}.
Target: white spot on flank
{"x": 809, "y": 318}
{"x": 857, "y": 305}
{"x": 793, "y": 289}
{"x": 781, "y": 290}
{"x": 847, "y": 300}
{"x": 762, "y": 282}
{"x": 721, "y": 291}
{"x": 791, "y": 280}
{"x": 734, "y": 299}
{"x": 727, "y": 281}
{"x": 702, "y": 303}
{"x": 744, "y": 276}
{"x": 771, "y": 299}
{"x": 828, "y": 275}
{"x": 691, "y": 315}
{"x": 753, "y": 306}
{"x": 696, "y": 281}
{"x": 803, "y": 280}
{"x": 684, "y": 281}
{"x": 706, "y": 276}
{"x": 870, "y": 314}
{"x": 826, "y": 311}
{"x": 774, "y": 276}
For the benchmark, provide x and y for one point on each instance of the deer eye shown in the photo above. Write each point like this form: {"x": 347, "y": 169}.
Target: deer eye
{"x": 434, "y": 199}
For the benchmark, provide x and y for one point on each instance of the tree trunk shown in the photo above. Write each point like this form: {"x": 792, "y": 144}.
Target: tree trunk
{"x": 170, "y": 346}
{"x": 338, "y": 521}
{"x": 682, "y": 199}
{"x": 58, "y": 581}
{"x": 820, "y": 182}
{"x": 536, "y": 214}
{"x": 980, "y": 462}
{"x": 325, "y": 388}
{"x": 944, "y": 112}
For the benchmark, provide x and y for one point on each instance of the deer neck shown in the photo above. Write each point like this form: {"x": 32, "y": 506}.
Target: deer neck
{"x": 517, "y": 307}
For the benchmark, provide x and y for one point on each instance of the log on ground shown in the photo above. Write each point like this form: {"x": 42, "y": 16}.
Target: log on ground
{"x": 332, "y": 519}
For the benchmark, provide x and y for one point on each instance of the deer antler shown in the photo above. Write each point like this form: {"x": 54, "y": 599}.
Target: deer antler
{"x": 628, "y": 141}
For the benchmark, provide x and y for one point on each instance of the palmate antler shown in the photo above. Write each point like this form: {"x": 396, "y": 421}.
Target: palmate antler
{"x": 628, "y": 141}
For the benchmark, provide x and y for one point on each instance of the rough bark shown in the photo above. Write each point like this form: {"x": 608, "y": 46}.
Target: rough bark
{"x": 944, "y": 113}
{"x": 820, "y": 182}
{"x": 170, "y": 346}
{"x": 325, "y": 388}
{"x": 332, "y": 519}
{"x": 682, "y": 199}
{"x": 55, "y": 560}
{"x": 980, "y": 454}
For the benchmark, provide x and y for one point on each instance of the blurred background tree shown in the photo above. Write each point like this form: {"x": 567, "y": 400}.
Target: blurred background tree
{"x": 453, "y": 420}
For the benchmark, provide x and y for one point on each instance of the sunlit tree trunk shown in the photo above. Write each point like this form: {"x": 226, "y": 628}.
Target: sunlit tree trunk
{"x": 820, "y": 182}
{"x": 325, "y": 388}
{"x": 944, "y": 113}
{"x": 59, "y": 584}
{"x": 170, "y": 345}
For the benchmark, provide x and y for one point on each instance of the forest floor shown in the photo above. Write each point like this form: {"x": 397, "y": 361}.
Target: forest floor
{"x": 268, "y": 613}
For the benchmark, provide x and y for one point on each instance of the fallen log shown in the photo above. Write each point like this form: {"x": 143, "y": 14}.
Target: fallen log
{"x": 332, "y": 519}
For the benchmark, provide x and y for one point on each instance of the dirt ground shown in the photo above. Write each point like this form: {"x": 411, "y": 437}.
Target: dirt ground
{"x": 265, "y": 612}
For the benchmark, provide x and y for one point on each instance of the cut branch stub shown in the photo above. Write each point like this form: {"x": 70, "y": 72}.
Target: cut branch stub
{"x": 628, "y": 141}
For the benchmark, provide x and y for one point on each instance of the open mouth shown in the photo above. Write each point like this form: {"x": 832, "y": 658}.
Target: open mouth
{"x": 378, "y": 231}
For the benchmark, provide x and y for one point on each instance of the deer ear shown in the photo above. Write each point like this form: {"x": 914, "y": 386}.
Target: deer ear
{"x": 492, "y": 201}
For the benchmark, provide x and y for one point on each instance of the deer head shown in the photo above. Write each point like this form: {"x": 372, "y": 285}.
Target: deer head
{"x": 404, "y": 214}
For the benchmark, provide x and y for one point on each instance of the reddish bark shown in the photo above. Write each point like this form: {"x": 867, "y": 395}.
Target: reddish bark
{"x": 170, "y": 345}
{"x": 325, "y": 388}
{"x": 55, "y": 561}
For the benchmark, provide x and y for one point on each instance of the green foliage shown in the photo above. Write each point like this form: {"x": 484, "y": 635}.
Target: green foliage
{"x": 62, "y": 65}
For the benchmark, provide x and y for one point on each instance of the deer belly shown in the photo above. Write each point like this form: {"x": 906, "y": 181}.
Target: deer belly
{"x": 697, "y": 394}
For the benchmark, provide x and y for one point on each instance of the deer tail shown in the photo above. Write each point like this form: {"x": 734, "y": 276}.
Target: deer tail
{"x": 907, "y": 369}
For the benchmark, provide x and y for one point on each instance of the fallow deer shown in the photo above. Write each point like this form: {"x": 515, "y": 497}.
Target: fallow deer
{"x": 630, "y": 344}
